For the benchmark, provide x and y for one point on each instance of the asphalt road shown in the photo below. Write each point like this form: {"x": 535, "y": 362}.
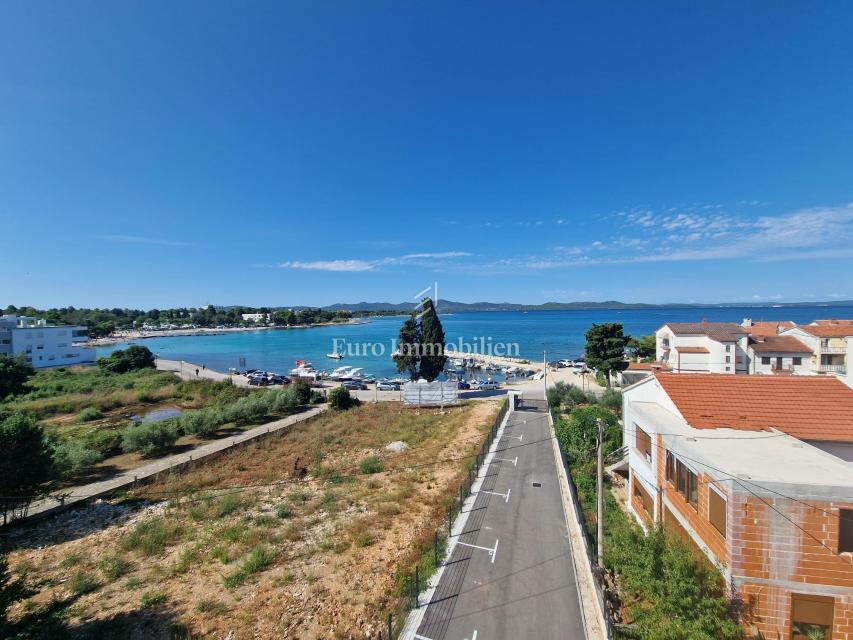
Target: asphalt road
{"x": 526, "y": 588}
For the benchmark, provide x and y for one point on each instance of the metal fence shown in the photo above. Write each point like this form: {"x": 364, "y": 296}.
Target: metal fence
{"x": 412, "y": 581}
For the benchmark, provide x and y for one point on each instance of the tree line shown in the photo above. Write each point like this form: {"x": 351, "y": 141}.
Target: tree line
{"x": 102, "y": 322}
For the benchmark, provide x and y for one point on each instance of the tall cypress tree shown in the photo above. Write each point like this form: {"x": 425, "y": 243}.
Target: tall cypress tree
{"x": 433, "y": 358}
{"x": 605, "y": 348}
{"x": 408, "y": 347}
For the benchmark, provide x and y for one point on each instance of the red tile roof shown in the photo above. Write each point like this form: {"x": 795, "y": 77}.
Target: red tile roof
{"x": 768, "y": 328}
{"x": 647, "y": 366}
{"x": 828, "y": 330}
{"x": 687, "y": 349}
{"x": 833, "y": 321}
{"x": 721, "y": 331}
{"x": 806, "y": 407}
{"x": 778, "y": 344}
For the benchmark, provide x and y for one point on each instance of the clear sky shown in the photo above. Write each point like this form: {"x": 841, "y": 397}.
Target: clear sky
{"x": 282, "y": 153}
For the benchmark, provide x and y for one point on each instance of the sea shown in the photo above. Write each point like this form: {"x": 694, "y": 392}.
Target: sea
{"x": 533, "y": 335}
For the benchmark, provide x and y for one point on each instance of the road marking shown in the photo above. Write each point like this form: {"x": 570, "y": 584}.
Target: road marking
{"x": 492, "y": 552}
{"x": 514, "y": 462}
{"x": 518, "y": 437}
{"x": 474, "y": 637}
{"x": 420, "y": 637}
{"x": 505, "y": 496}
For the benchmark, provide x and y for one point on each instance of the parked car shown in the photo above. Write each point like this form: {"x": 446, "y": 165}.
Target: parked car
{"x": 387, "y": 386}
{"x": 354, "y": 385}
{"x": 488, "y": 386}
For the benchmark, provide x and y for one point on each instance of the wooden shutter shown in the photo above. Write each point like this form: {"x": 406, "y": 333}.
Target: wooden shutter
{"x": 717, "y": 511}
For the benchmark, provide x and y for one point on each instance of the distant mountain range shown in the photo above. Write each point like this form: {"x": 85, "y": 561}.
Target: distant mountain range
{"x": 449, "y": 306}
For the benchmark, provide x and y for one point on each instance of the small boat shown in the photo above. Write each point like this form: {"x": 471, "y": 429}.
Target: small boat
{"x": 335, "y": 356}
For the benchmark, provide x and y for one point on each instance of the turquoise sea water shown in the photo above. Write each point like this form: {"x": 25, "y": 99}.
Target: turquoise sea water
{"x": 560, "y": 333}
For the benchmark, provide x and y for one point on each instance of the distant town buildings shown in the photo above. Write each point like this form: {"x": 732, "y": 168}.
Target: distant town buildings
{"x": 42, "y": 344}
{"x": 756, "y": 473}
{"x": 770, "y": 348}
{"x": 256, "y": 317}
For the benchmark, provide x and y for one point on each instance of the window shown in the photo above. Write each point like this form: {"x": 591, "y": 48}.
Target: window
{"x": 643, "y": 495}
{"x": 692, "y": 489}
{"x": 845, "y": 530}
{"x": 796, "y": 361}
{"x": 687, "y": 484}
{"x": 670, "y": 467}
{"x": 39, "y": 346}
{"x": 717, "y": 511}
{"x": 728, "y": 348}
{"x": 728, "y": 368}
{"x": 811, "y": 615}
{"x": 643, "y": 443}
{"x": 765, "y": 360}
{"x": 51, "y": 357}
{"x": 728, "y": 359}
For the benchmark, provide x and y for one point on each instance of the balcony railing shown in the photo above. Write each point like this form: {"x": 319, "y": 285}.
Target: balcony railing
{"x": 833, "y": 349}
{"x": 832, "y": 368}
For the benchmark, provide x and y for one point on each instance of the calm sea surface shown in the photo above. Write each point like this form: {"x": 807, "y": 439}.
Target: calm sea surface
{"x": 560, "y": 333}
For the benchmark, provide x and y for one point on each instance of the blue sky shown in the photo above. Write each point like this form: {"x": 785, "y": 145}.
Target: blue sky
{"x": 163, "y": 154}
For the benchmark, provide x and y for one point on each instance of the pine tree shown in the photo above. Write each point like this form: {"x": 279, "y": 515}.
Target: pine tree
{"x": 407, "y": 356}
{"x": 433, "y": 358}
{"x": 605, "y": 348}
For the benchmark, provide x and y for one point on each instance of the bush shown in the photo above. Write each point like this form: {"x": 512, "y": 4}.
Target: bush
{"x": 151, "y": 438}
{"x": 577, "y": 434}
{"x": 152, "y": 599}
{"x": 14, "y": 373}
{"x": 611, "y": 399}
{"x": 82, "y": 583}
{"x": 113, "y": 567}
{"x": 151, "y": 537}
{"x": 88, "y": 414}
{"x": 107, "y": 442}
{"x": 73, "y": 456}
{"x": 568, "y": 395}
{"x": 372, "y": 464}
{"x": 302, "y": 391}
{"x": 340, "y": 398}
{"x": 130, "y": 359}
{"x": 26, "y": 461}
{"x": 258, "y": 559}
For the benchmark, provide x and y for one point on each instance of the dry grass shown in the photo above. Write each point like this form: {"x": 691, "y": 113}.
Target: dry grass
{"x": 285, "y": 556}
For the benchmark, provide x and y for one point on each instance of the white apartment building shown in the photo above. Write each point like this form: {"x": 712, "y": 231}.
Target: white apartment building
{"x": 255, "y": 317}
{"x": 703, "y": 347}
{"x": 44, "y": 345}
{"x": 830, "y": 345}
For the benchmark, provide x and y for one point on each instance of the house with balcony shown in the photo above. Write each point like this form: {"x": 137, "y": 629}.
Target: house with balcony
{"x": 774, "y": 354}
{"x": 756, "y": 474}
{"x": 703, "y": 347}
{"x": 829, "y": 342}
{"x": 44, "y": 345}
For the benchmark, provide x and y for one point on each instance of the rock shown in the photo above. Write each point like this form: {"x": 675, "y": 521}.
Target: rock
{"x": 397, "y": 446}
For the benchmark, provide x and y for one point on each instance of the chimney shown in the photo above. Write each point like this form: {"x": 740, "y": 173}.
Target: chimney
{"x": 747, "y": 322}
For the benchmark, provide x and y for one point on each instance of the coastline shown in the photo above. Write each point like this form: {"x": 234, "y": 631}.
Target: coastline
{"x": 127, "y": 336}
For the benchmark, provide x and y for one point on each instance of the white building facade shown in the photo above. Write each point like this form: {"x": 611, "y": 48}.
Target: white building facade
{"x": 703, "y": 347}
{"x": 42, "y": 344}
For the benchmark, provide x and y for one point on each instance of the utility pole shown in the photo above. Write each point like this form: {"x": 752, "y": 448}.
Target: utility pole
{"x": 600, "y": 491}
{"x": 545, "y": 369}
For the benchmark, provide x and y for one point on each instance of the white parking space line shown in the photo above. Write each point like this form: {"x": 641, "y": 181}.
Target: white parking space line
{"x": 474, "y": 637}
{"x": 505, "y": 496}
{"x": 519, "y": 437}
{"x": 514, "y": 462}
{"x": 491, "y": 552}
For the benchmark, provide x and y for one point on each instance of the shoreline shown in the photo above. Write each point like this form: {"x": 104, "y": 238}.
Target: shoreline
{"x": 128, "y": 336}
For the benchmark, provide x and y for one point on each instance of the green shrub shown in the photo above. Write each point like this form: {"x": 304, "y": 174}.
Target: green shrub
{"x": 113, "y": 567}
{"x": 372, "y": 464}
{"x": 210, "y": 606}
{"x": 340, "y": 398}
{"x": 151, "y": 537}
{"x": 123, "y": 360}
{"x": 73, "y": 456}
{"x": 82, "y": 583}
{"x": 152, "y": 599}
{"x": 258, "y": 559}
{"x": 107, "y": 442}
{"x": 151, "y": 438}
{"x": 283, "y": 511}
{"x": 88, "y": 414}
{"x": 228, "y": 504}
{"x": 611, "y": 399}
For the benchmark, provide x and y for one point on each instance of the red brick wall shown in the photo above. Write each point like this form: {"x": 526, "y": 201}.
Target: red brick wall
{"x": 765, "y": 545}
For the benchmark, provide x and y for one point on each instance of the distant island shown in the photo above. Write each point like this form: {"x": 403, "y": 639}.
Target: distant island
{"x": 449, "y": 306}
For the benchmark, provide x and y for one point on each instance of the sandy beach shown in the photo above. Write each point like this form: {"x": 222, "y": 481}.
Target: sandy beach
{"x": 126, "y": 336}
